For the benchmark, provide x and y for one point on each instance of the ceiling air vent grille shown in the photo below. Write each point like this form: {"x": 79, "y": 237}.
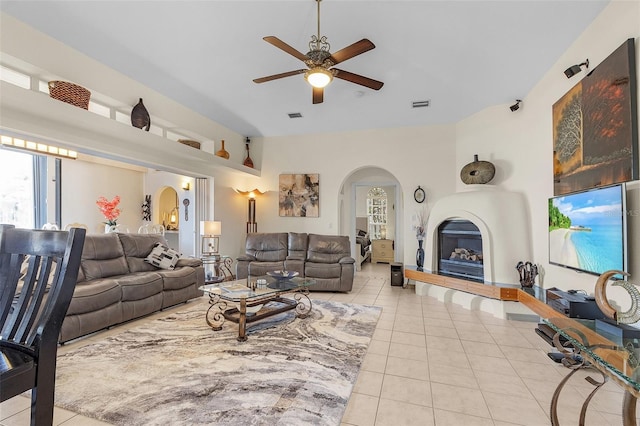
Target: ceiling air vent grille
{"x": 420, "y": 104}
{"x": 294, "y": 115}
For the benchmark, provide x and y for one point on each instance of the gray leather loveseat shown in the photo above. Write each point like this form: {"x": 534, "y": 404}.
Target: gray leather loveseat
{"x": 115, "y": 283}
{"x": 325, "y": 258}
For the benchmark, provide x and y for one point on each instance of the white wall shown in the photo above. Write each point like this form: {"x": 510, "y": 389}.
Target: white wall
{"x": 84, "y": 182}
{"x": 411, "y": 156}
{"x": 520, "y": 143}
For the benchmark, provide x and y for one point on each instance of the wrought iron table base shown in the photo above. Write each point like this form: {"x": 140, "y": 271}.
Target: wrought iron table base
{"x": 219, "y": 310}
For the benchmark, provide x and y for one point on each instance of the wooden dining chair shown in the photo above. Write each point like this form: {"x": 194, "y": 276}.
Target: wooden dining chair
{"x": 38, "y": 273}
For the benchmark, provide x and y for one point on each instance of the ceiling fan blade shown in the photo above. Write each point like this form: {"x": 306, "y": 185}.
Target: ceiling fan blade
{"x": 355, "y": 49}
{"x": 277, "y": 76}
{"x": 284, "y": 46}
{"x": 358, "y": 79}
{"x": 318, "y": 95}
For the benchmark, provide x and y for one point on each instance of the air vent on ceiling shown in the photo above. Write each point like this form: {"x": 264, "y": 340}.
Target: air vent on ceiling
{"x": 295, "y": 115}
{"x": 420, "y": 104}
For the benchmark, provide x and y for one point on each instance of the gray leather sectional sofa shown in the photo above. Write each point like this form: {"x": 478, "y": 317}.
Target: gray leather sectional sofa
{"x": 115, "y": 284}
{"x": 325, "y": 258}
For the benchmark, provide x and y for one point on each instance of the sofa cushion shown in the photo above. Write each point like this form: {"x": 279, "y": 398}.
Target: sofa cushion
{"x": 137, "y": 247}
{"x": 322, "y": 270}
{"x": 267, "y": 247}
{"x": 140, "y": 285}
{"x": 328, "y": 248}
{"x": 162, "y": 257}
{"x": 178, "y": 278}
{"x": 102, "y": 257}
{"x": 94, "y": 295}
{"x": 297, "y": 245}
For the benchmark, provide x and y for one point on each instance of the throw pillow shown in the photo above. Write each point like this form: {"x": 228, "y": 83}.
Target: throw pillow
{"x": 163, "y": 257}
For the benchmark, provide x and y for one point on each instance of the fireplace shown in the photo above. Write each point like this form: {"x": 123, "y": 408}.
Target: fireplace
{"x": 501, "y": 234}
{"x": 460, "y": 250}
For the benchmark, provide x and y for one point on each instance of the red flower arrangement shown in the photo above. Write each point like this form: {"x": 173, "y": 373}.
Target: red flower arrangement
{"x": 109, "y": 209}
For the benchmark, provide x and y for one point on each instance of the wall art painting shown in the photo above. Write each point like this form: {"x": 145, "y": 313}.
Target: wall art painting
{"x": 299, "y": 195}
{"x": 595, "y": 127}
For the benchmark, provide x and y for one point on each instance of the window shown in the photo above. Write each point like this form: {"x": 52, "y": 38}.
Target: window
{"x": 17, "y": 194}
{"x": 377, "y": 213}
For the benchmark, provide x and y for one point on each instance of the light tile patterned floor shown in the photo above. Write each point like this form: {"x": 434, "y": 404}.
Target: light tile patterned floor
{"x": 432, "y": 363}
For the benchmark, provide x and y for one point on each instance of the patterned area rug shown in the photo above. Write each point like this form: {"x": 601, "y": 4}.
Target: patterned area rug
{"x": 177, "y": 371}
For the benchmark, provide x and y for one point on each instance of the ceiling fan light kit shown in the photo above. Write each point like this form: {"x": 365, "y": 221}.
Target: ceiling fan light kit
{"x": 318, "y": 77}
{"x": 320, "y": 62}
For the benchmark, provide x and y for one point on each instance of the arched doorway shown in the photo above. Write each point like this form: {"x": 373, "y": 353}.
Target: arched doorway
{"x": 354, "y": 192}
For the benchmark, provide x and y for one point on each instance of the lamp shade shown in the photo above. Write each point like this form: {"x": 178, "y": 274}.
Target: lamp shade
{"x": 210, "y": 227}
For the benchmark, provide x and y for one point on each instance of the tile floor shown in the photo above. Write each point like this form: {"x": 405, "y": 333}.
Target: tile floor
{"x": 432, "y": 363}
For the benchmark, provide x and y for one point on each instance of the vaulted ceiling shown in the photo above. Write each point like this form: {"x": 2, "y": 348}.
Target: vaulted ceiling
{"x": 462, "y": 56}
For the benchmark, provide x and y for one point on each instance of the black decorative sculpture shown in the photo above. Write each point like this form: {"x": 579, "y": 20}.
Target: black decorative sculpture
{"x": 528, "y": 273}
{"x": 146, "y": 208}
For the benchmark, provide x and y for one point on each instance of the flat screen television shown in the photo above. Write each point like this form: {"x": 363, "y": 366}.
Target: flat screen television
{"x": 588, "y": 230}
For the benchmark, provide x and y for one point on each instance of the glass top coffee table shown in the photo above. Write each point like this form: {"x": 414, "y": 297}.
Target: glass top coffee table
{"x": 252, "y": 299}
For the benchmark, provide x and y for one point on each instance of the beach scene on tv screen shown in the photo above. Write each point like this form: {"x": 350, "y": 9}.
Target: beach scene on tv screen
{"x": 585, "y": 230}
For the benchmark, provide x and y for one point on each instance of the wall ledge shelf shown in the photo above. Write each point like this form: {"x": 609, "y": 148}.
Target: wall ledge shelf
{"x": 26, "y": 113}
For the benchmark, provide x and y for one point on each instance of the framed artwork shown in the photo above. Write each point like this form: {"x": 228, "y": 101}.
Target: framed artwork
{"x": 299, "y": 195}
{"x": 595, "y": 127}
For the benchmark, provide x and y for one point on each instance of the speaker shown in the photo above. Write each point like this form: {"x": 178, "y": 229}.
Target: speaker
{"x": 397, "y": 274}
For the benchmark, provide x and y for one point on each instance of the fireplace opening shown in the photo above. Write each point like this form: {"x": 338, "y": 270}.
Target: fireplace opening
{"x": 460, "y": 250}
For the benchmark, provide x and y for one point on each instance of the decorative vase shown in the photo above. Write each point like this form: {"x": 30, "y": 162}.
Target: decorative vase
{"x": 140, "y": 117}
{"x": 107, "y": 228}
{"x": 222, "y": 152}
{"x": 248, "y": 161}
{"x": 420, "y": 256}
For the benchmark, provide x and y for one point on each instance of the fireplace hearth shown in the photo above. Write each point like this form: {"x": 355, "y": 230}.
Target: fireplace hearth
{"x": 460, "y": 250}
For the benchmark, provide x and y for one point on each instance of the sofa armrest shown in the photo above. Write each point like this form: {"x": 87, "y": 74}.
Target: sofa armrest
{"x": 246, "y": 258}
{"x": 347, "y": 260}
{"x": 188, "y": 261}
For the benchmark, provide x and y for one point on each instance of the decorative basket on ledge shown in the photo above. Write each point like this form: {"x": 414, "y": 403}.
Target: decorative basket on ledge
{"x": 188, "y": 142}
{"x": 70, "y": 93}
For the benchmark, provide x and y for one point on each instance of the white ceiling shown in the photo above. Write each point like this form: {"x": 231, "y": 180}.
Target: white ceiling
{"x": 463, "y": 56}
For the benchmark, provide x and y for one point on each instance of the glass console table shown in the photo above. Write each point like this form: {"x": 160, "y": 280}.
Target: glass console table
{"x": 614, "y": 357}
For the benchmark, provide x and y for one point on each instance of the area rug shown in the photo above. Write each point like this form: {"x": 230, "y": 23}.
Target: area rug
{"x": 177, "y": 371}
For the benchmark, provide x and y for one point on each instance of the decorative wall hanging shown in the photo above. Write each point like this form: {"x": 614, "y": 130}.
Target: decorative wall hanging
{"x": 222, "y": 152}
{"x": 419, "y": 195}
{"x": 299, "y": 195}
{"x": 186, "y": 203}
{"x": 248, "y": 161}
{"x": 140, "y": 117}
{"x": 595, "y": 128}
{"x": 477, "y": 172}
{"x": 146, "y": 208}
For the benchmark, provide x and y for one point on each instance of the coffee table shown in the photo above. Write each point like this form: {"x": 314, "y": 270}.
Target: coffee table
{"x": 244, "y": 301}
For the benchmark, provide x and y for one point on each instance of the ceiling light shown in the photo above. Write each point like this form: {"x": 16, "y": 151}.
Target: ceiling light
{"x": 318, "y": 77}
{"x": 515, "y": 106}
{"x": 575, "y": 69}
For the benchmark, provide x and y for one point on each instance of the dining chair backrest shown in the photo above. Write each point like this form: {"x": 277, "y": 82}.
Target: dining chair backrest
{"x": 38, "y": 274}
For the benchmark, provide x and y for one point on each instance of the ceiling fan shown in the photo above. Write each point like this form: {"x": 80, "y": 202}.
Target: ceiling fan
{"x": 320, "y": 63}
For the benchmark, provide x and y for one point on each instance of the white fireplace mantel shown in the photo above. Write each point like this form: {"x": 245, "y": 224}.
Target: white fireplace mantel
{"x": 502, "y": 218}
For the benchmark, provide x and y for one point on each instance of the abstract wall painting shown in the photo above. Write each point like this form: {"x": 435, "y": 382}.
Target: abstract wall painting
{"x": 299, "y": 195}
{"x": 595, "y": 127}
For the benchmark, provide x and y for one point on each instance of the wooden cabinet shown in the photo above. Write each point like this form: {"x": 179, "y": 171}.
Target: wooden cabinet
{"x": 382, "y": 251}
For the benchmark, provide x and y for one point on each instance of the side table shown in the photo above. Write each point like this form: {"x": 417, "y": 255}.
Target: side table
{"x": 217, "y": 268}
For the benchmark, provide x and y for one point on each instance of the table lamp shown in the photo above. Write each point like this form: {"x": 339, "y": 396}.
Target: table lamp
{"x": 210, "y": 231}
